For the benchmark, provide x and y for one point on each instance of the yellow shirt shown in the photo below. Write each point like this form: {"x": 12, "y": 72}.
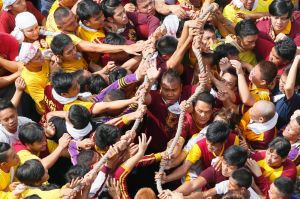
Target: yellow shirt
{"x": 53, "y": 194}
{"x": 230, "y": 11}
{"x": 5, "y": 180}
{"x": 7, "y": 195}
{"x": 1, "y": 4}
{"x": 88, "y": 105}
{"x": 74, "y": 65}
{"x": 35, "y": 84}
{"x": 50, "y": 22}
{"x": 90, "y": 34}
{"x": 260, "y": 93}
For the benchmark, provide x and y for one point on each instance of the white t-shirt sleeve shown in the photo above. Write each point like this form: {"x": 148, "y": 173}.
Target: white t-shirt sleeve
{"x": 222, "y": 187}
{"x": 97, "y": 185}
{"x": 253, "y": 194}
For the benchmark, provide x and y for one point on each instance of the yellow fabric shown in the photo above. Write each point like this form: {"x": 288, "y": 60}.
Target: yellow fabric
{"x": 53, "y": 194}
{"x": 88, "y": 105}
{"x": 89, "y": 35}
{"x": 51, "y": 145}
{"x": 6, "y": 195}
{"x": 249, "y": 57}
{"x": 35, "y": 84}
{"x": 229, "y": 12}
{"x": 157, "y": 156}
{"x": 26, "y": 155}
{"x": 248, "y": 134}
{"x": 236, "y": 141}
{"x": 287, "y": 29}
{"x": 79, "y": 64}
{"x": 50, "y": 22}
{"x": 4, "y": 180}
{"x": 1, "y": 4}
{"x": 298, "y": 170}
{"x": 270, "y": 172}
{"x": 74, "y": 38}
{"x": 260, "y": 93}
{"x": 194, "y": 154}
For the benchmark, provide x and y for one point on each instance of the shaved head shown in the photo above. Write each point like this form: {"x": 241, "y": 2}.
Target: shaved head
{"x": 266, "y": 108}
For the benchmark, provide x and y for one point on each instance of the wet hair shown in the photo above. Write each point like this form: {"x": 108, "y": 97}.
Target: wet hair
{"x": 31, "y": 132}
{"x": 62, "y": 82}
{"x": 59, "y": 43}
{"x": 243, "y": 177}
{"x": 281, "y": 145}
{"x": 87, "y": 9}
{"x": 268, "y": 71}
{"x": 245, "y": 28}
{"x": 106, "y": 135}
{"x": 171, "y": 75}
{"x": 236, "y": 156}
{"x": 31, "y": 172}
{"x": 116, "y": 74}
{"x": 284, "y": 185}
{"x": 4, "y": 147}
{"x": 205, "y": 97}
{"x": 224, "y": 50}
{"x": 76, "y": 171}
{"x": 85, "y": 158}
{"x": 114, "y": 39}
{"x": 109, "y": 7}
{"x": 114, "y": 95}
{"x": 166, "y": 45}
{"x": 79, "y": 116}
{"x": 279, "y": 8}
{"x": 286, "y": 49}
{"x": 5, "y": 104}
{"x": 209, "y": 27}
{"x": 217, "y": 132}
{"x": 60, "y": 13}
{"x": 96, "y": 84}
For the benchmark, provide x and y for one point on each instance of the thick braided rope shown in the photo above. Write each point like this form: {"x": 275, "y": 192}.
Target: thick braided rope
{"x": 199, "y": 90}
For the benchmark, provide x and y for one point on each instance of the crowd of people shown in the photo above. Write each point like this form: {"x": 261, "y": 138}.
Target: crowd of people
{"x": 93, "y": 92}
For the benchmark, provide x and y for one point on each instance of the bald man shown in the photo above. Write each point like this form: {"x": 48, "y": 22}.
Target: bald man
{"x": 258, "y": 125}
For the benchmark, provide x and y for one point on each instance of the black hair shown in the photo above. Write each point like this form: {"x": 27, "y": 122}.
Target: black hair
{"x": 85, "y": 158}
{"x": 217, "y": 132}
{"x": 114, "y": 95}
{"x": 31, "y": 132}
{"x": 231, "y": 71}
{"x": 279, "y": 8}
{"x": 59, "y": 43}
{"x": 5, "y": 103}
{"x": 76, "y": 171}
{"x": 236, "y": 194}
{"x": 166, "y": 45}
{"x": 224, "y": 50}
{"x": 205, "y": 97}
{"x": 116, "y": 74}
{"x": 246, "y": 28}
{"x": 34, "y": 196}
{"x": 171, "y": 75}
{"x": 96, "y": 83}
{"x": 281, "y": 145}
{"x": 286, "y": 72}
{"x": 60, "y": 13}
{"x": 209, "y": 27}
{"x": 31, "y": 172}
{"x": 114, "y": 39}
{"x": 284, "y": 185}
{"x": 236, "y": 156}
{"x": 243, "y": 177}
{"x": 106, "y": 135}
{"x": 109, "y": 6}
{"x": 87, "y": 9}
{"x": 81, "y": 79}
{"x": 79, "y": 116}
{"x": 62, "y": 82}
{"x": 4, "y": 147}
{"x": 268, "y": 71}
{"x": 286, "y": 49}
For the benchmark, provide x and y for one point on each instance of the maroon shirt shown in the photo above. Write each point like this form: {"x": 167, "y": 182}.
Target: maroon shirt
{"x": 212, "y": 177}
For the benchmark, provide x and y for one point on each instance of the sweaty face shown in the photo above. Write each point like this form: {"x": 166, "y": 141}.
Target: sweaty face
{"x": 230, "y": 81}
{"x": 120, "y": 18}
{"x": 208, "y": 39}
{"x": 19, "y": 6}
{"x": 292, "y": 131}
{"x": 32, "y": 33}
{"x": 279, "y": 23}
{"x": 96, "y": 22}
{"x": 202, "y": 112}
{"x": 255, "y": 75}
{"x": 38, "y": 146}
{"x": 146, "y": 6}
{"x": 275, "y": 58}
{"x": 227, "y": 170}
{"x": 9, "y": 119}
{"x": 68, "y": 24}
{"x": 170, "y": 91}
{"x": 248, "y": 4}
{"x": 213, "y": 147}
{"x": 248, "y": 42}
{"x": 273, "y": 159}
{"x": 70, "y": 53}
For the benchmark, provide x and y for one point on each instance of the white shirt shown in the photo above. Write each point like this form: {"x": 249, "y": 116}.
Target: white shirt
{"x": 12, "y": 138}
{"x": 222, "y": 188}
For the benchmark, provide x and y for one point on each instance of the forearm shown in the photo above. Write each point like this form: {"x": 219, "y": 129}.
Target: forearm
{"x": 162, "y": 8}
{"x": 100, "y": 48}
{"x": 289, "y": 86}
{"x": 186, "y": 188}
{"x": 131, "y": 162}
{"x": 257, "y": 15}
{"x": 50, "y": 160}
{"x": 244, "y": 90}
{"x": 7, "y": 80}
{"x": 11, "y": 66}
{"x": 177, "y": 174}
{"x": 132, "y": 63}
{"x": 16, "y": 98}
{"x": 178, "y": 160}
{"x": 102, "y": 107}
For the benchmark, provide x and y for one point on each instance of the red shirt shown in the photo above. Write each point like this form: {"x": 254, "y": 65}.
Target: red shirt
{"x": 7, "y": 19}
{"x": 212, "y": 177}
{"x": 9, "y": 46}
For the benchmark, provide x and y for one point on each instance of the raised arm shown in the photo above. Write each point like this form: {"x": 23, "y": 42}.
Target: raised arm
{"x": 20, "y": 87}
{"x": 289, "y": 87}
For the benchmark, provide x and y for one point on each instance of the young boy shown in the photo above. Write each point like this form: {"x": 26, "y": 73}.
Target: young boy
{"x": 71, "y": 59}
{"x": 234, "y": 157}
{"x": 281, "y": 188}
{"x": 261, "y": 77}
{"x": 262, "y": 129}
